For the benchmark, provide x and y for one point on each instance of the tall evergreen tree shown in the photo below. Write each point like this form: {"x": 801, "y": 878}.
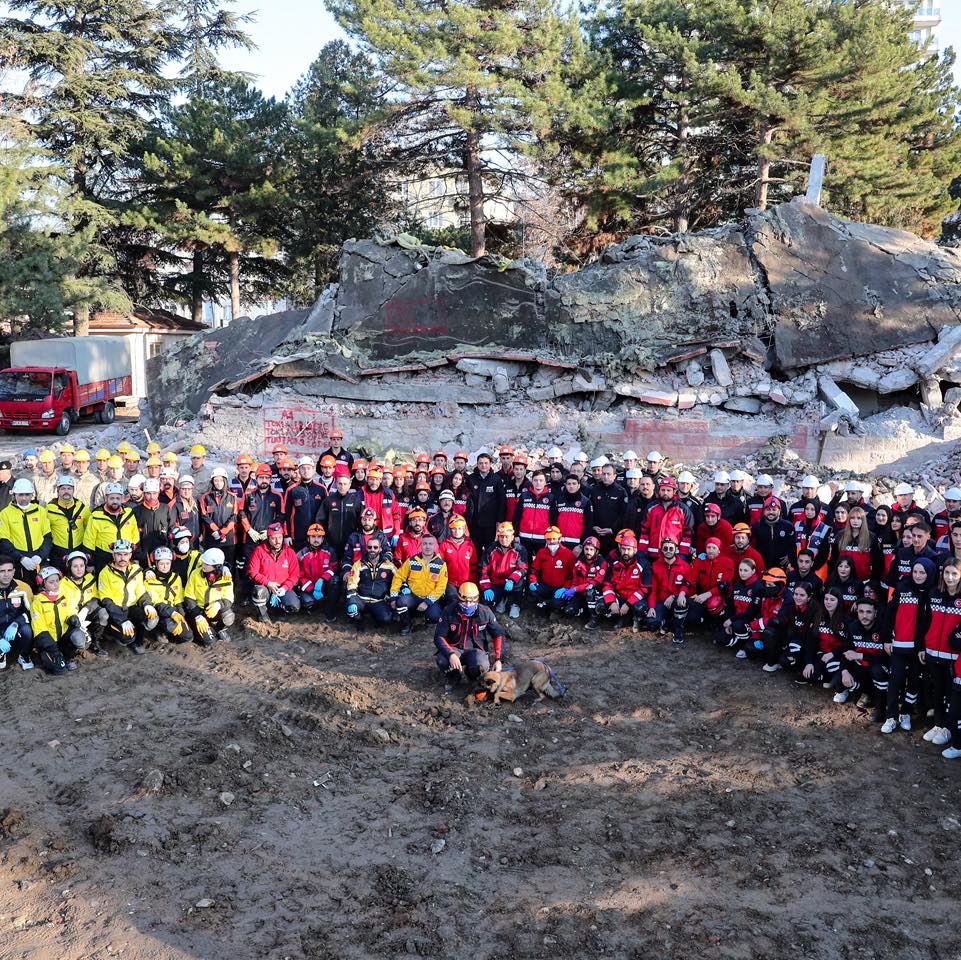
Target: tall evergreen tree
{"x": 206, "y": 191}
{"x": 209, "y": 27}
{"x": 337, "y": 161}
{"x": 471, "y": 76}
{"x": 94, "y": 75}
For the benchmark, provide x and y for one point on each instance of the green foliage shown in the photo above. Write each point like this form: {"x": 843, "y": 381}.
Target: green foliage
{"x": 208, "y": 27}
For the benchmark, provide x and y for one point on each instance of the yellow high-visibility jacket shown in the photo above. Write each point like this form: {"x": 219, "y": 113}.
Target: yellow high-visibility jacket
{"x": 169, "y": 591}
{"x": 427, "y": 579}
{"x": 86, "y": 587}
{"x": 67, "y": 524}
{"x": 119, "y": 590}
{"x": 24, "y": 530}
{"x": 103, "y": 529}
{"x": 50, "y": 615}
{"x": 204, "y": 593}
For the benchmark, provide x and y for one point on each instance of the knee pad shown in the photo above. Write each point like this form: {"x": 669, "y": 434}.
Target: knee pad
{"x": 259, "y": 593}
{"x": 102, "y": 617}
{"x": 150, "y": 623}
{"x": 78, "y": 639}
{"x": 228, "y": 618}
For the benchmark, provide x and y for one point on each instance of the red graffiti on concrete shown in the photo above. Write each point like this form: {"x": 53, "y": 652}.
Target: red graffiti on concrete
{"x": 301, "y": 429}
{"x": 423, "y": 317}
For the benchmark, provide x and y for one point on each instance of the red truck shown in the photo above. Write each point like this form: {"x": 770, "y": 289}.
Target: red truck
{"x": 52, "y": 383}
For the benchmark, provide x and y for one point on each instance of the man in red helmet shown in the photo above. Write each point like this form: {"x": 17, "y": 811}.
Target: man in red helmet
{"x": 667, "y": 518}
{"x": 625, "y": 593}
{"x": 336, "y": 450}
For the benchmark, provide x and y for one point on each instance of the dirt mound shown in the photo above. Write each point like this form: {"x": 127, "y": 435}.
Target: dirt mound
{"x": 309, "y": 792}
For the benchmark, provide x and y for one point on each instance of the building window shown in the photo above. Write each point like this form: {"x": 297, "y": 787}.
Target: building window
{"x": 154, "y": 348}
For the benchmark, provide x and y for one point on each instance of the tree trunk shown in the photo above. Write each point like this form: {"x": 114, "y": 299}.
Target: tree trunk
{"x": 475, "y": 195}
{"x": 81, "y": 322}
{"x": 318, "y": 276}
{"x": 681, "y": 189}
{"x": 763, "y": 167}
{"x": 234, "y": 284}
{"x": 197, "y": 287}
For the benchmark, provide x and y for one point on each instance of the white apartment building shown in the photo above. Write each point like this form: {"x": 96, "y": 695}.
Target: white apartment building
{"x": 927, "y": 19}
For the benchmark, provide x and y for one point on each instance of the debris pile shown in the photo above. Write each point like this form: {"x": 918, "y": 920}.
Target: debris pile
{"x": 795, "y": 325}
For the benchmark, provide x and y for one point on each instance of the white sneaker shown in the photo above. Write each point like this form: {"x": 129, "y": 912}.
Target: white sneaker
{"x": 889, "y": 725}
{"x": 515, "y": 611}
{"x": 904, "y": 721}
{"x": 827, "y": 684}
{"x": 842, "y": 696}
{"x": 3, "y": 661}
{"x": 771, "y": 667}
{"x": 942, "y": 735}
{"x": 931, "y": 734}
{"x": 25, "y": 664}
{"x": 741, "y": 655}
{"x": 951, "y": 753}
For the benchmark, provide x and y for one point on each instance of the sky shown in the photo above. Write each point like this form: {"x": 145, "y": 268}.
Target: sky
{"x": 290, "y": 33}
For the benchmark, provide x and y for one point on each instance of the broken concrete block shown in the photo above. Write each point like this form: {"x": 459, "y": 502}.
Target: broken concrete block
{"x": 837, "y": 397}
{"x": 861, "y": 376}
{"x": 948, "y": 345}
{"x": 694, "y": 373}
{"x": 686, "y": 399}
{"x": 762, "y": 388}
{"x": 743, "y": 405}
{"x": 952, "y": 400}
{"x": 502, "y": 383}
{"x": 541, "y": 393}
{"x": 754, "y": 349}
{"x": 592, "y": 384}
{"x": 645, "y": 392}
{"x": 473, "y": 380}
{"x": 488, "y": 368}
{"x": 931, "y": 392}
{"x": 720, "y": 368}
{"x": 563, "y": 387}
{"x": 778, "y": 395}
{"x": 896, "y": 380}
{"x": 831, "y": 422}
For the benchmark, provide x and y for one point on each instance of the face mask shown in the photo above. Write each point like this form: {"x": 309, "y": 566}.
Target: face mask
{"x": 468, "y": 609}
{"x": 183, "y": 546}
{"x": 553, "y": 547}
{"x": 24, "y": 506}
{"x": 212, "y": 576}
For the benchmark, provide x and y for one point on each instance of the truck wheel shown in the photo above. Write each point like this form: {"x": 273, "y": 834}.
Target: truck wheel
{"x": 63, "y": 428}
{"x": 108, "y": 413}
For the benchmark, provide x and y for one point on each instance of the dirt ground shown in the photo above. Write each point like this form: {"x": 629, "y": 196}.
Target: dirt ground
{"x": 308, "y": 792}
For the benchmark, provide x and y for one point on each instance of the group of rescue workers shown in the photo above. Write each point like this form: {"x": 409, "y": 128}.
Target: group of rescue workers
{"x": 862, "y": 599}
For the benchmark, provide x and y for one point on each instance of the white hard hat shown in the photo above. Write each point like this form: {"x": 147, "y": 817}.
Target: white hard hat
{"x": 630, "y": 454}
{"x": 654, "y": 455}
{"x": 221, "y": 472}
{"x": 810, "y": 481}
{"x": 722, "y": 476}
{"x": 686, "y": 476}
{"x": 213, "y": 557}
{"x": 952, "y": 493}
{"x": 738, "y": 475}
{"x": 23, "y": 486}
{"x": 77, "y": 555}
{"x": 555, "y": 454}
{"x": 446, "y": 495}
{"x": 903, "y": 489}
{"x": 186, "y": 478}
{"x": 137, "y": 480}
{"x": 121, "y": 546}
{"x": 66, "y": 481}
{"x": 114, "y": 489}
{"x": 151, "y": 485}
{"x": 581, "y": 456}
{"x": 49, "y": 572}
{"x": 634, "y": 474}
{"x": 168, "y": 473}
{"x": 599, "y": 462}
{"x": 764, "y": 480}
{"x": 302, "y": 462}
{"x": 163, "y": 553}
{"x": 853, "y": 486}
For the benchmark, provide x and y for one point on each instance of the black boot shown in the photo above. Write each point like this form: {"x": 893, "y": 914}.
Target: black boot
{"x": 263, "y": 614}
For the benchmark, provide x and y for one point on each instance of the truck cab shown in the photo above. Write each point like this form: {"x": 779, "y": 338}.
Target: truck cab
{"x": 38, "y": 398}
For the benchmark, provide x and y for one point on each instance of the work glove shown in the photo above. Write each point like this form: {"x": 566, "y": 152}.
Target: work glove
{"x": 489, "y": 596}
{"x": 319, "y": 590}
{"x": 257, "y": 536}
{"x": 127, "y": 628}
{"x": 352, "y": 609}
{"x": 569, "y": 593}
{"x": 509, "y": 586}
{"x": 702, "y": 556}
{"x": 212, "y": 611}
{"x": 758, "y": 645}
{"x": 150, "y": 611}
{"x": 180, "y": 621}
{"x": 203, "y": 628}
{"x": 405, "y": 591}
{"x": 274, "y": 600}
{"x": 559, "y": 593}
{"x": 216, "y": 535}
{"x": 531, "y": 586}
{"x": 28, "y": 563}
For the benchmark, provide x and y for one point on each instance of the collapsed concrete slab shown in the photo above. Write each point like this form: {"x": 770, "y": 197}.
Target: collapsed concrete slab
{"x": 842, "y": 289}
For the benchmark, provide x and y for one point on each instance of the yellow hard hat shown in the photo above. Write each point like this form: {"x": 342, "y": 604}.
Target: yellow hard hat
{"x": 169, "y": 457}
{"x": 154, "y": 461}
{"x": 198, "y": 450}
{"x": 83, "y": 456}
{"x": 103, "y": 454}
{"x": 47, "y": 456}
{"x": 153, "y": 447}
{"x": 468, "y": 592}
{"x": 115, "y": 462}
{"x": 123, "y": 446}
{"x": 68, "y": 448}
{"x": 131, "y": 454}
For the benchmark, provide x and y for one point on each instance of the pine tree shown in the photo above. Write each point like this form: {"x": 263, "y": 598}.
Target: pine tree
{"x": 94, "y": 75}
{"x": 206, "y": 195}
{"x": 209, "y": 27}
{"x": 336, "y": 185}
{"x": 472, "y": 77}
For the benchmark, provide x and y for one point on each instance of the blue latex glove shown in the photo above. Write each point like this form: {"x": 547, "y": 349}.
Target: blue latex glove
{"x": 405, "y": 591}
{"x": 352, "y": 609}
{"x": 489, "y": 596}
{"x": 274, "y": 600}
{"x": 758, "y": 645}
{"x": 702, "y": 556}
{"x": 319, "y": 590}
{"x": 6, "y": 641}
{"x": 531, "y": 586}
{"x": 570, "y": 593}
{"x": 509, "y": 586}
{"x": 559, "y": 593}
{"x": 394, "y": 539}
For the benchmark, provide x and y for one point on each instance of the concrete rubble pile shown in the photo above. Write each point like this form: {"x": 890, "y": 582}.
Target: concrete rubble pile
{"x": 795, "y": 330}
